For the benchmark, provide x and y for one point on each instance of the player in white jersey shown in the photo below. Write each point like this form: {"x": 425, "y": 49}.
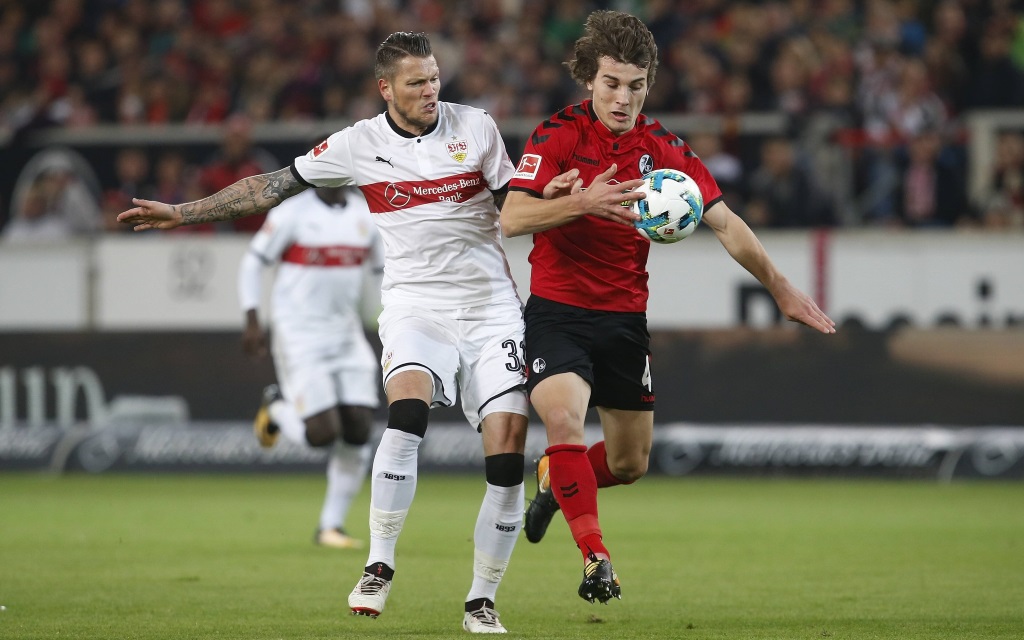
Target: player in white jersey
{"x": 434, "y": 175}
{"x": 323, "y": 242}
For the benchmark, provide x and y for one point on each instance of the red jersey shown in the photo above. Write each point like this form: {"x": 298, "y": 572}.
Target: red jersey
{"x": 592, "y": 262}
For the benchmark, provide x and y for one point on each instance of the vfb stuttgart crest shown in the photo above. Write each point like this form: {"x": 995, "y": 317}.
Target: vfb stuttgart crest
{"x": 458, "y": 149}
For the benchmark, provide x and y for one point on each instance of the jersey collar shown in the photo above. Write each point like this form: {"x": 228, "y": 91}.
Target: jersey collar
{"x": 405, "y": 134}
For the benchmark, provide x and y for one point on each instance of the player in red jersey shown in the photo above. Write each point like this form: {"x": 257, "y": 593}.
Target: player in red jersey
{"x": 586, "y": 327}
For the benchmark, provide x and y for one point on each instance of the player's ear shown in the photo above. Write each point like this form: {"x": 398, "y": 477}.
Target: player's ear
{"x": 385, "y": 89}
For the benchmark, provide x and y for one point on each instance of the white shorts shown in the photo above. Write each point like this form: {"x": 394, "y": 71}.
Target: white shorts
{"x": 477, "y": 352}
{"x": 318, "y": 372}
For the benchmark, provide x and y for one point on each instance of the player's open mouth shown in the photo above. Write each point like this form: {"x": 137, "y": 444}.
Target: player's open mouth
{"x": 620, "y": 116}
{"x": 430, "y": 107}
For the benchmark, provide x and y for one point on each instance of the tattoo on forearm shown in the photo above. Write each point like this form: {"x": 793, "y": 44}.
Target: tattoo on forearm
{"x": 246, "y": 197}
{"x": 281, "y": 185}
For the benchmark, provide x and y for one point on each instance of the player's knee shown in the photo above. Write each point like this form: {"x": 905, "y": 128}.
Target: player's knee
{"x": 322, "y": 429}
{"x": 562, "y": 420}
{"x": 319, "y": 435}
{"x": 628, "y": 471}
{"x": 356, "y": 425}
{"x": 505, "y": 469}
{"x": 409, "y": 415}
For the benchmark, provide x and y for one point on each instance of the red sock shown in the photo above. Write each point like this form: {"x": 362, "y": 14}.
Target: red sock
{"x": 599, "y": 461}
{"x": 575, "y": 488}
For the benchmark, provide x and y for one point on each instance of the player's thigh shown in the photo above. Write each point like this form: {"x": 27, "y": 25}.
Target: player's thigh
{"x": 622, "y": 363}
{"x": 491, "y": 376}
{"x": 420, "y": 340}
{"x": 559, "y": 339}
{"x": 358, "y": 387}
{"x": 304, "y": 375}
{"x": 356, "y": 374}
{"x": 561, "y": 402}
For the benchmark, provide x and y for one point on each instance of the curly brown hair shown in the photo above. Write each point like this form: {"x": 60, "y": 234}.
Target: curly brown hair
{"x": 619, "y": 36}
{"x": 397, "y": 46}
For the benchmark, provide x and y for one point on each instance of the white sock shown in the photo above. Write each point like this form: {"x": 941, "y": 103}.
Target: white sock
{"x": 392, "y": 488}
{"x": 346, "y": 470}
{"x": 497, "y": 529}
{"x": 292, "y": 426}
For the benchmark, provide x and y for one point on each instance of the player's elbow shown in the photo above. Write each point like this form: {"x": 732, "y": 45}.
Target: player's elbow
{"x": 510, "y": 228}
{"x": 512, "y": 215}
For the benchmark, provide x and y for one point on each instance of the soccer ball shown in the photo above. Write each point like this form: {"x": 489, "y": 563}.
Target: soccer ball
{"x": 672, "y": 209}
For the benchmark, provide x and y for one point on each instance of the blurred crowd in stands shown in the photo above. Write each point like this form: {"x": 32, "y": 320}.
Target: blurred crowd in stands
{"x": 874, "y": 94}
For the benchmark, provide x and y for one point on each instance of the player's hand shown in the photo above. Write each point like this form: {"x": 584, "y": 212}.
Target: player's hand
{"x": 797, "y": 306}
{"x": 613, "y": 200}
{"x": 565, "y": 184}
{"x": 254, "y": 341}
{"x": 149, "y": 214}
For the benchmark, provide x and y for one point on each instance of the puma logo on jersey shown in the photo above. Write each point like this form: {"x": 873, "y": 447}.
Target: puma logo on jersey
{"x": 388, "y": 162}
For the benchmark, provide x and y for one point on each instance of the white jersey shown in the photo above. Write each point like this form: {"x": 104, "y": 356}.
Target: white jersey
{"x": 323, "y": 251}
{"x": 430, "y": 197}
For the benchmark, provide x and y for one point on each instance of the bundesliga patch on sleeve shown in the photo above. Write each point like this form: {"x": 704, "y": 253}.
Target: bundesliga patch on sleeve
{"x": 320, "y": 148}
{"x": 528, "y": 167}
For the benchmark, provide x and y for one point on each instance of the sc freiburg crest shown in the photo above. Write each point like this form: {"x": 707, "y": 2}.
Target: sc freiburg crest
{"x": 646, "y": 164}
{"x": 457, "y": 149}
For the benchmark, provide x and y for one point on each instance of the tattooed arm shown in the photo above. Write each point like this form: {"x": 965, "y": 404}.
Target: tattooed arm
{"x": 246, "y": 197}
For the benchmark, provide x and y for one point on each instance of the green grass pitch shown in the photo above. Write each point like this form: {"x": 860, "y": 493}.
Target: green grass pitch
{"x": 174, "y": 556}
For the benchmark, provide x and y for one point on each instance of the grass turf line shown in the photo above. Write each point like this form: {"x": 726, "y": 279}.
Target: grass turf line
{"x": 169, "y": 557}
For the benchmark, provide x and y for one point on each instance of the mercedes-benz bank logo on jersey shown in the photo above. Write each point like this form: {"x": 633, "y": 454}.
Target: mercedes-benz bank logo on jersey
{"x": 396, "y": 195}
{"x": 452, "y": 191}
{"x": 384, "y": 197}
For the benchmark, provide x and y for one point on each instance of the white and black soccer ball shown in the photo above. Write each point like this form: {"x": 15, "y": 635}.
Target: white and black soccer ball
{"x": 672, "y": 208}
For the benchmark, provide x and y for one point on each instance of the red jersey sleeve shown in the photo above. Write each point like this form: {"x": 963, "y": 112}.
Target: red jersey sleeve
{"x": 678, "y": 155}
{"x": 546, "y": 155}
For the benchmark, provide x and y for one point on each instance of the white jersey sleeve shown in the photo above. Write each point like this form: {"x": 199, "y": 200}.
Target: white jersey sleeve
{"x": 497, "y": 167}
{"x": 250, "y": 281}
{"x": 265, "y": 249}
{"x": 276, "y": 233}
{"x": 328, "y": 164}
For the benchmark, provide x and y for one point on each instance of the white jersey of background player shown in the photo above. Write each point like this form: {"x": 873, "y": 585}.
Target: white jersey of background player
{"x": 323, "y": 242}
{"x": 451, "y": 315}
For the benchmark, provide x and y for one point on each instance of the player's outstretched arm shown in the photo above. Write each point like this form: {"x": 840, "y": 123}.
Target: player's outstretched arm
{"x": 565, "y": 200}
{"x": 746, "y": 249}
{"x": 246, "y": 197}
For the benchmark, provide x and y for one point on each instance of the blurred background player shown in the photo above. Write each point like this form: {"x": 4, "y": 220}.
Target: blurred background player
{"x": 323, "y": 242}
{"x": 587, "y": 342}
